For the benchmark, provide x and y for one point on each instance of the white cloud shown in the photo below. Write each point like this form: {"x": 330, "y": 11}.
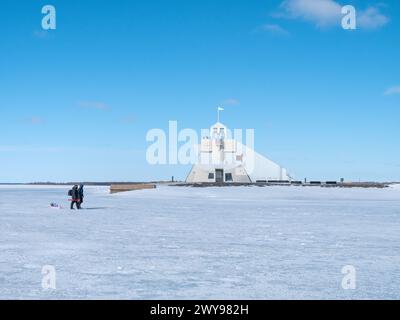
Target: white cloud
{"x": 36, "y": 120}
{"x": 371, "y": 18}
{"x": 41, "y": 34}
{"x": 321, "y": 12}
{"x": 274, "y": 29}
{"x": 231, "y": 102}
{"x": 325, "y": 13}
{"x": 392, "y": 90}
{"x": 129, "y": 119}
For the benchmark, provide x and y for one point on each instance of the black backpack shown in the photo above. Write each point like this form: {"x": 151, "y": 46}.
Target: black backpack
{"x": 70, "y": 193}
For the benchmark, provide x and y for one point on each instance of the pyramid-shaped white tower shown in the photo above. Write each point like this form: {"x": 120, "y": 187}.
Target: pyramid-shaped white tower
{"x": 222, "y": 159}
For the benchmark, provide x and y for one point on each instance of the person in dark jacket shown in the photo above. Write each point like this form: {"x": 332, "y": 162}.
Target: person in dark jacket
{"x": 75, "y": 197}
{"x": 80, "y": 193}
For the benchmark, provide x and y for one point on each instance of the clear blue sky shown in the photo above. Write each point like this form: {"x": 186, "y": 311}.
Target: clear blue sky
{"x": 76, "y": 102}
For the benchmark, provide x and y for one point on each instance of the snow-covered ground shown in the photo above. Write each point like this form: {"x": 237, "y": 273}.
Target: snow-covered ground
{"x": 201, "y": 243}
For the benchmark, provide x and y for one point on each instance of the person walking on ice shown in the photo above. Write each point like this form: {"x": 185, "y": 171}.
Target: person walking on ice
{"x": 74, "y": 193}
{"x": 81, "y": 195}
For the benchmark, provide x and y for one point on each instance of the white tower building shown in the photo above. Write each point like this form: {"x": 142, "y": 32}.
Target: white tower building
{"x": 222, "y": 159}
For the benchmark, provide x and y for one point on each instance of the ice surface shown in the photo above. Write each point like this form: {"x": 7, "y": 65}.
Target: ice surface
{"x": 201, "y": 243}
